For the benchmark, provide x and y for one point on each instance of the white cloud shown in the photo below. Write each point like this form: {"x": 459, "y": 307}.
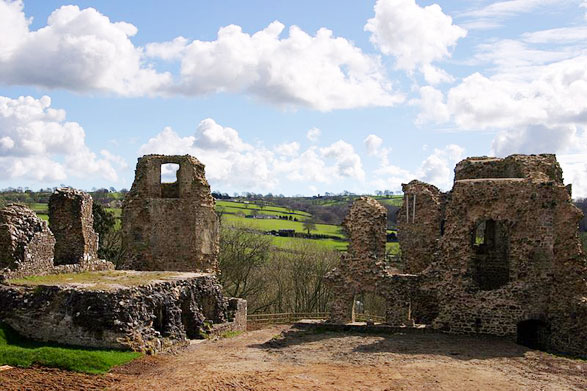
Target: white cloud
{"x": 492, "y": 15}
{"x": 84, "y": 51}
{"x": 36, "y": 143}
{"x": 348, "y": 162}
{"x": 562, "y": 35}
{"x": 436, "y": 169}
{"x": 511, "y": 7}
{"x": 211, "y": 136}
{"x": 288, "y": 149}
{"x": 416, "y": 36}
{"x": 313, "y": 134}
{"x": 323, "y": 72}
{"x": 80, "y": 50}
{"x": 372, "y": 143}
{"x": 432, "y": 105}
{"x": 171, "y": 50}
{"x": 236, "y": 165}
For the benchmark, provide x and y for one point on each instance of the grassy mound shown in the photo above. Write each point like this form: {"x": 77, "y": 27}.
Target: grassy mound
{"x": 20, "y": 352}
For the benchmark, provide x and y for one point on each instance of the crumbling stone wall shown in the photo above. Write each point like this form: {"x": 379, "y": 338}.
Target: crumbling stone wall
{"x": 71, "y": 220}
{"x": 147, "y": 318}
{"x": 26, "y": 243}
{"x": 510, "y": 260}
{"x": 170, "y": 226}
{"x": 420, "y": 223}
{"x": 363, "y": 268}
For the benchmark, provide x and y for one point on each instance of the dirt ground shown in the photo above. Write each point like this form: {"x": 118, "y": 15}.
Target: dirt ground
{"x": 285, "y": 358}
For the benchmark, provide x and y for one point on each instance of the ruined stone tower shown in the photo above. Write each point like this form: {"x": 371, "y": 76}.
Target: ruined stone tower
{"x": 170, "y": 226}
{"x": 72, "y": 223}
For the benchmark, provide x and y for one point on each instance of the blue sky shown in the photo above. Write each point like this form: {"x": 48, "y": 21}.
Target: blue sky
{"x": 289, "y": 97}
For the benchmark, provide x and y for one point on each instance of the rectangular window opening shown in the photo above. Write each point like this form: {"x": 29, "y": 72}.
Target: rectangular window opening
{"x": 169, "y": 183}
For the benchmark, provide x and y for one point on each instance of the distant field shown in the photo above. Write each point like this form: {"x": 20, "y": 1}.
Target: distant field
{"x": 331, "y": 244}
{"x": 276, "y": 224}
{"x": 254, "y": 209}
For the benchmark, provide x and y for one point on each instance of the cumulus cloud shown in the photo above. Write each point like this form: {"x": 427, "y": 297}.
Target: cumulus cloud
{"x": 36, "y": 143}
{"x": 372, "y": 143}
{"x": 348, "y": 162}
{"x": 83, "y": 50}
{"x": 313, "y": 134}
{"x": 236, "y": 165}
{"x": 323, "y": 72}
{"x": 437, "y": 169}
{"x": 432, "y": 105}
{"x": 288, "y": 149}
{"x": 416, "y": 36}
{"x": 79, "y": 50}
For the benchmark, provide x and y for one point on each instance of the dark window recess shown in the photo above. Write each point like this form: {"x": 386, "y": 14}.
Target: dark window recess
{"x": 490, "y": 264}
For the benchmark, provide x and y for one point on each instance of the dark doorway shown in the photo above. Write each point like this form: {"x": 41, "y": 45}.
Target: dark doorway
{"x": 534, "y": 334}
{"x": 490, "y": 266}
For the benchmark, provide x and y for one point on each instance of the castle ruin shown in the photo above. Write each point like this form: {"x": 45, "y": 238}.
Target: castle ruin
{"x": 499, "y": 254}
{"x": 171, "y": 236}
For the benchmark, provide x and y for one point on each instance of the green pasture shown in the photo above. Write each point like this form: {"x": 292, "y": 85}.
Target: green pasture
{"x": 20, "y": 352}
{"x": 276, "y": 224}
{"x": 251, "y": 208}
{"x": 331, "y": 244}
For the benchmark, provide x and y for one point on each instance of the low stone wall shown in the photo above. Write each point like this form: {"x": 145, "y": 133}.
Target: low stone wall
{"x": 147, "y": 318}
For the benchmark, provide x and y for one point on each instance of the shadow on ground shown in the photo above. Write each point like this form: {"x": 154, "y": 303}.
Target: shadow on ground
{"x": 455, "y": 346}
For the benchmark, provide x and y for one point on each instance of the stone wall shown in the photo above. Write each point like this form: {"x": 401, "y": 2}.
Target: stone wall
{"x": 170, "y": 226}
{"x": 420, "y": 224}
{"x": 509, "y": 261}
{"x": 363, "y": 268}
{"x": 147, "y": 318}
{"x": 26, "y": 243}
{"x": 71, "y": 220}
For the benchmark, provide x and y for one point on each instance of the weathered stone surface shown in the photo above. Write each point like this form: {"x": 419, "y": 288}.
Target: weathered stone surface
{"x": 26, "y": 243}
{"x": 500, "y": 254}
{"x": 162, "y": 311}
{"x": 363, "y": 268}
{"x": 508, "y": 260}
{"x": 72, "y": 223}
{"x": 537, "y": 167}
{"x": 420, "y": 224}
{"x": 170, "y": 226}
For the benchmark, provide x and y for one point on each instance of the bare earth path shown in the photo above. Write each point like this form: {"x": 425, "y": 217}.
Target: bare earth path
{"x": 283, "y": 358}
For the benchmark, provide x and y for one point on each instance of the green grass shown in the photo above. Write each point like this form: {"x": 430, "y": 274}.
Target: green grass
{"x": 396, "y": 200}
{"x": 20, "y": 352}
{"x": 247, "y": 209}
{"x": 276, "y": 224}
{"x": 284, "y": 242}
{"x": 230, "y": 334}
